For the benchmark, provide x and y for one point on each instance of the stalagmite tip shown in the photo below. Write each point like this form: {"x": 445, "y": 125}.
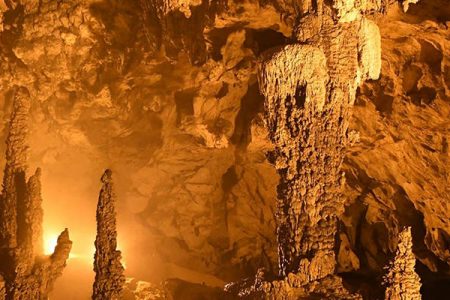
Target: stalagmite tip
{"x": 107, "y": 176}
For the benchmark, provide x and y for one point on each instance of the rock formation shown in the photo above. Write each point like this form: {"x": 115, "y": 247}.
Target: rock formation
{"x": 27, "y": 274}
{"x": 310, "y": 88}
{"x": 137, "y": 290}
{"x": 402, "y": 281}
{"x": 169, "y": 96}
{"x": 109, "y": 278}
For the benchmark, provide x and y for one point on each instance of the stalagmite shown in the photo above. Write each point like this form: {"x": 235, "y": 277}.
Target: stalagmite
{"x": 109, "y": 278}
{"x": 27, "y": 274}
{"x": 309, "y": 92}
{"x": 2, "y": 289}
{"x": 310, "y": 88}
{"x": 402, "y": 281}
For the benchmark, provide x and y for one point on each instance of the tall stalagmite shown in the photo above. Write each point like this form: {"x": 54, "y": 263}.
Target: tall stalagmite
{"x": 402, "y": 281}
{"x": 27, "y": 274}
{"x": 109, "y": 278}
{"x": 309, "y": 90}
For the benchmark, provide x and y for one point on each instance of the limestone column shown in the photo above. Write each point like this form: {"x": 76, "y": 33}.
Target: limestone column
{"x": 27, "y": 274}
{"x": 402, "y": 281}
{"x": 109, "y": 278}
{"x": 310, "y": 88}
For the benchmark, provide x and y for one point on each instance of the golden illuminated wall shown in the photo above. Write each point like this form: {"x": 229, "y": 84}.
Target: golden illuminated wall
{"x": 166, "y": 94}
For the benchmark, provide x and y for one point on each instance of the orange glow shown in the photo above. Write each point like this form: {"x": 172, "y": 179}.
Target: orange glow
{"x": 121, "y": 249}
{"x": 50, "y": 241}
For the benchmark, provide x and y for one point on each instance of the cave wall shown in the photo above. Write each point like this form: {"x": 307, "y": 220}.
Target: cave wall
{"x": 169, "y": 100}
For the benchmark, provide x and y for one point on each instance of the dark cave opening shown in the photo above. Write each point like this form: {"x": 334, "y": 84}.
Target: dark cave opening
{"x": 262, "y": 40}
{"x": 184, "y": 102}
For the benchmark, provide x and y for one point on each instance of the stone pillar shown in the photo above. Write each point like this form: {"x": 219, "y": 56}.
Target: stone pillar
{"x": 14, "y": 172}
{"x": 26, "y": 273}
{"x": 310, "y": 88}
{"x": 109, "y": 278}
{"x": 402, "y": 281}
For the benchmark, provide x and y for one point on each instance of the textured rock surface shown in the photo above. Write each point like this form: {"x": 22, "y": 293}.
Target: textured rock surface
{"x": 188, "y": 141}
{"x": 171, "y": 289}
{"x": 109, "y": 278}
{"x": 2, "y": 289}
{"x": 141, "y": 290}
{"x": 27, "y": 274}
{"x": 310, "y": 88}
{"x": 402, "y": 281}
{"x": 408, "y": 188}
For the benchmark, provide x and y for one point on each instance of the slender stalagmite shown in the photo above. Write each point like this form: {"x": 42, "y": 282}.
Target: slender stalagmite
{"x": 402, "y": 281}
{"x": 27, "y": 274}
{"x": 109, "y": 278}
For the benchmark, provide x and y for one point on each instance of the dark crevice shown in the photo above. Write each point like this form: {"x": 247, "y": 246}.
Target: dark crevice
{"x": 431, "y": 55}
{"x": 300, "y": 96}
{"x": 251, "y": 104}
{"x": 184, "y": 102}
{"x": 261, "y": 40}
{"x": 217, "y": 38}
{"x": 219, "y": 235}
{"x": 223, "y": 91}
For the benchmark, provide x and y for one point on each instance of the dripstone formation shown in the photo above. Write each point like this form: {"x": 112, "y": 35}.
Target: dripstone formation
{"x": 169, "y": 89}
{"x": 402, "y": 281}
{"x": 310, "y": 88}
{"x": 26, "y": 272}
{"x": 109, "y": 278}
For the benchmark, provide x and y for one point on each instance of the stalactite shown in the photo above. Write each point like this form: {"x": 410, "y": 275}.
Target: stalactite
{"x": 109, "y": 278}
{"x": 402, "y": 281}
{"x": 310, "y": 88}
{"x": 309, "y": 92}
{"x": 26, "y": 273}
{"x": 163, "y": 20}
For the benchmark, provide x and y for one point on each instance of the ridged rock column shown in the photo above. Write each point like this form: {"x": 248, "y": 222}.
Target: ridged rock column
{"x": 402, "y": 281}
{"x": 310, "y": 88}
{"x": 26, "y": 272}
{"x": 109, "y": 278}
